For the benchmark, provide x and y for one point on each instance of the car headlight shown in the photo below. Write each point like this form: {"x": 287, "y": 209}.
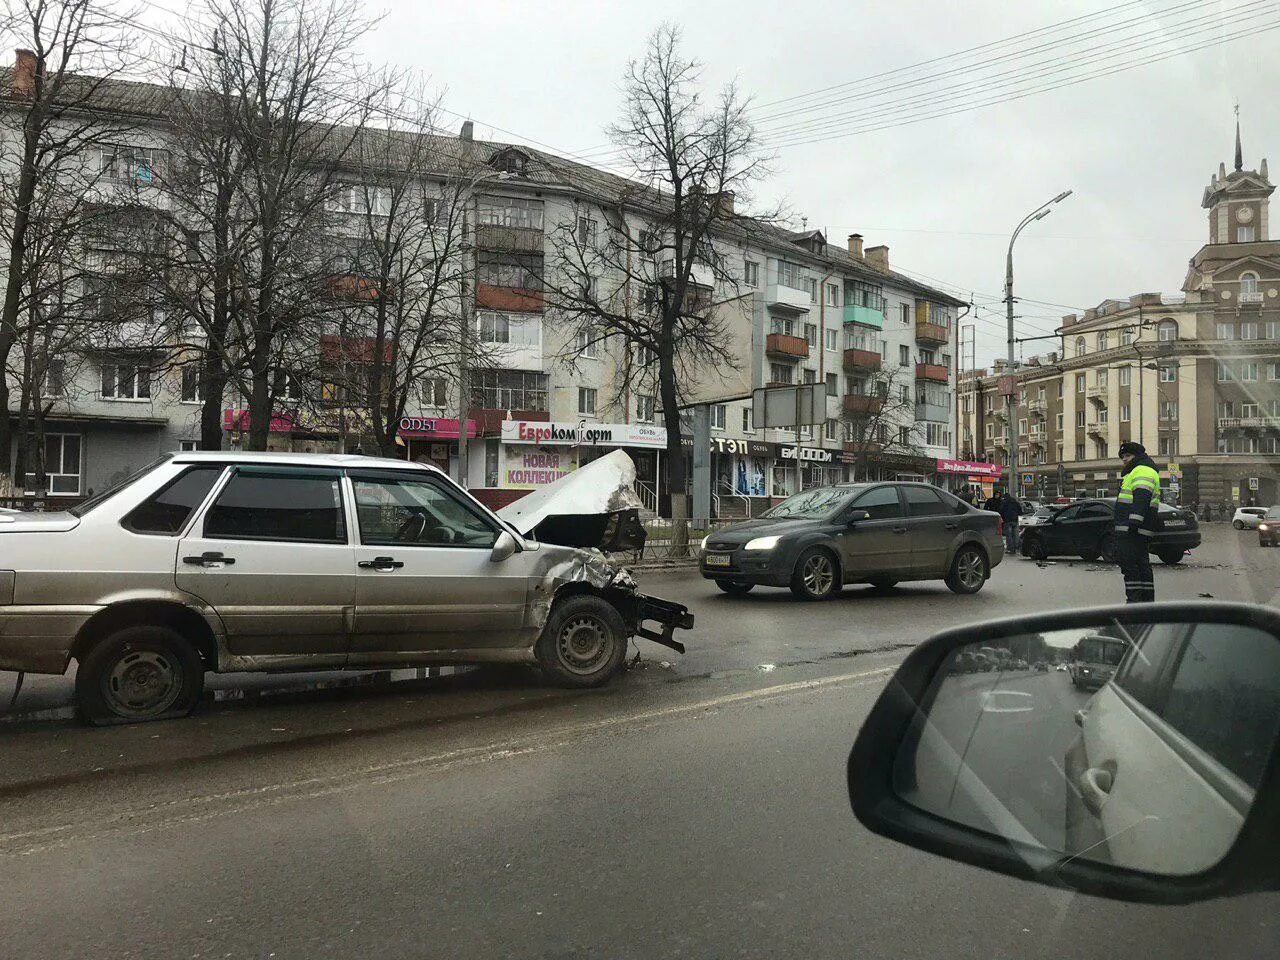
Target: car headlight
{"x": 703, "y": 545}
{"x": 762, "y": 543}
{"x": 1262, "y": 526}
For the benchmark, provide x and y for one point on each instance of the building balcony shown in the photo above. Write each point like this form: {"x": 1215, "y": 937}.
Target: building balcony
{"x": 866, "y": 316}
{"x": 512, "y": 239}
{"x": 1097, "y": 394}
{"x": 521, "y": 300}
{"x": 859, "y": 361}
{"x": 999, "y": 413}
{"x": 1037, "y": 408}
{"x": 786, "y": 347}
{"x": 861, "y": 403}
{"x": 933, "y": 411}
{"x": 1255, "y": 297}
{"x": 781, "y": 297}
{"x": 932, "y": 371}
{"x": 349, "y": 286}
{"x": 931, "y": 333}
{"x": 778, "y": 383}
{"x": 862, "y": 447}
{"x": 1249, "y": 423}
{"x": 1096, "y": 428}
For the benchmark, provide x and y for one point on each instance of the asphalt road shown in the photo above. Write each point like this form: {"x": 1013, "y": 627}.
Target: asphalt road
{"x": 695, "y": 809}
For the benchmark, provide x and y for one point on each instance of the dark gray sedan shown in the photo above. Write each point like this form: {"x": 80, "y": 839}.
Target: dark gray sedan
{"x": 879, "y": 533}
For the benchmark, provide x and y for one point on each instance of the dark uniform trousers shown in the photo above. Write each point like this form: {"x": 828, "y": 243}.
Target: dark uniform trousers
{"x": 1135, "y": 566}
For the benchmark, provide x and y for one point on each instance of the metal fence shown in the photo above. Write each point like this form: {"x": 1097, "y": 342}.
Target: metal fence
{"x": 672, "y": 540}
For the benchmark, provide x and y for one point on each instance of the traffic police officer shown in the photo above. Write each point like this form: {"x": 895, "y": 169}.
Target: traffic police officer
{"x": 1137, "y": 519}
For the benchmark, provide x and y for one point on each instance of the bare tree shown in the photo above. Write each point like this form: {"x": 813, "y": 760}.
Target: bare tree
{"x": 649, "y": 278}
{"x": 56, "y": 126}
{"x": 875, "y": 413}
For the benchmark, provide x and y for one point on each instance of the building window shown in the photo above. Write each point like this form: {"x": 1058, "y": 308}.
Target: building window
{"x": 904, "y": 436}
{"x": 904, "y": 314}
{"x": 190, "y": 392}
{"x": 586, "y": 231}
{"x": 1102, "y": 377}
{"x": 432, "y": 391}
{"x": 904, "y": 355}
{"x": 509, "y": 390}
{"x": 783, "y": 326}
{"x": 1168, "y": 446}
{"x": 1249, "y": 371}
{"x": 833, "y": 339}
{"x": 1022, "y": 426}
{"x": 1059, "y": 389}
{"x": 936, "y": 434}
{"x": 1124, "y": 413}
{"x": 810, "y": 376}
{"x": 1058, "y": 452}
{"x": 1273, "y": 330}
{"x": 991, "y": 431}
{"x": 1102, "y": 340}
{"x": 1079, "y": 383}
{"x": 1245, "y": 234}
{"x": 1060, "y": 419}
{"x": 1248, "y": 410}
{"x": 125, "y": 381}
{"x": 811, "y": 334}
{"x": 509, "y": 212}
{"x": 747, "y": 425}
{"x": 54, "y": 382}
{"x": 587, "y": 401}
{"x": 1102, "y": 414}
{"x": 1248, "y": 330}
{"x": 812, "y": 284}
{"x": 1100, "y": 449}
{"x": 288, "y": 386}
{"x": 1226, "y": 330}
{"x": 1168, "y": 372}
{"x": 1224, "y": 372}
{"x": 1126, "y": 376}
{"x": 833, "y": 295}
{"x": 188, "y": 446}
{"x": 904, "y": 393}
{"x": 1081, "y": 347}
{"x": 61, "y": 464}
{"x": 750, "y": 273}
{"x": 1168, "y": 409}
{"x": 832, "y": 430}
{"x": 1126, "y": 336}
{"x": 132, "y": 164}
{"x": 718, "y": 414}
{"x": 644, "y": 407}
{"x": 1079, "y": 451}
{"x": 1079, "y": 418}
{"x": 781, "y": 373}
{"x": 833, "y": 385}
{"x": 587, "y": 344}
{"x": 515, "y": 330}
{"x": 1273, "y": 371}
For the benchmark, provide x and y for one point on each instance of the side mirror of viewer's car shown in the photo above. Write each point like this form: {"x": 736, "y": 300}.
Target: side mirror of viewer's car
{"x": 1147, "y": 772}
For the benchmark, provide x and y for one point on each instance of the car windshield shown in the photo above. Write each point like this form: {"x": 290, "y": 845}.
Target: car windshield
{"x": 820, "y": 504}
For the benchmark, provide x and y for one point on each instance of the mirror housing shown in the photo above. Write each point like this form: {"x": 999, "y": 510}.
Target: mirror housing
{"x": 856, "y": 516}
{"x": 893, "y": 726}
{"x": 504, "y": 547}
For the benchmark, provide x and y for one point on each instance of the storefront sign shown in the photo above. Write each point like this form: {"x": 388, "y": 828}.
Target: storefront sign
{"x": 434, "y": 427}
{"x": 584, "y": 434}
{"x": 971, "y": 468}
{"x": 814, "y": 454}
{"x": 239, "y": 420}
{"x": 535, "y": 468}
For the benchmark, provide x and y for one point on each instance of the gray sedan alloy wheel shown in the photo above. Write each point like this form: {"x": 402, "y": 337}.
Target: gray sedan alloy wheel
{"x": 815, "y": 576}
{"x": 968, "y": 571}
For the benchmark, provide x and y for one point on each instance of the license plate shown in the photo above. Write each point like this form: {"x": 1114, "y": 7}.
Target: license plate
{"x": 1175, "y": 523}
{"x": 717, "y": 560}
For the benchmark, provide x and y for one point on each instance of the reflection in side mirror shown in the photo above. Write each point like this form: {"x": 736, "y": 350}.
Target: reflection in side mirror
{"x": 1062, "y": 747}
{"x": 503, "y": 547}
{"x": 857, "y": 516}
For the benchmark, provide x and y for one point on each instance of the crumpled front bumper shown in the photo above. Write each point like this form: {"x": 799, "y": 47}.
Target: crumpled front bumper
{"x": 639, "y": 610}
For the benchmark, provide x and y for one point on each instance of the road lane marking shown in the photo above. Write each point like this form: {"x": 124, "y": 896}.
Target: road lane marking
{"x": 172, "y": 813}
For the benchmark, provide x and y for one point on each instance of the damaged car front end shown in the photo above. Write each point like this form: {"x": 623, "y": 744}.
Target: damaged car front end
{"x": 577, "y": 521}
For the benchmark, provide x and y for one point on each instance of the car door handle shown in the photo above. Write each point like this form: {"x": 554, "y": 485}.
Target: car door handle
{"x": 952, "y": 525}
{"x": 210, "y": 558}
{"x": 1095, "y": 787}
{"x": 899, "y": 529}
{"x": 381, "y": 563}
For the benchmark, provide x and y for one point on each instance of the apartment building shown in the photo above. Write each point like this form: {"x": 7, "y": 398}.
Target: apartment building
{"x": 546, "y": 400}
{"x": 1195, "y": 376}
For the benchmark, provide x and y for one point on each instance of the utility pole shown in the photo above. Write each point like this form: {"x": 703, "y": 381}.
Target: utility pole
{"x": 1039, "y": 213}
{"x": 470, "y": 214}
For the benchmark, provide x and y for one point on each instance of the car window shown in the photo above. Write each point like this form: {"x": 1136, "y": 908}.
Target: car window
{"x": 99, "y": 499}
{"x": 1070, "y": 513}
{"x": 1140, "y": 674}
{"x": 422, "y": 511}
{"x": 263, "y": 505}
{"x": 882, "y": 503}
{"x": 819, "y": 503}
{"x": 1224, "y": 696}
{"x": 923, "y": 502}
{"x": 166, "y": 511}
{"x": 1094, "y": 511}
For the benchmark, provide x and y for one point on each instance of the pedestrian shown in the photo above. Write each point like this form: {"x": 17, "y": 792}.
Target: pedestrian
{"x": 1137, "y": 516}
{"x": 1010, "y": 511}
{"x": 967, "y": 495}
{"x": 993, "y": 502}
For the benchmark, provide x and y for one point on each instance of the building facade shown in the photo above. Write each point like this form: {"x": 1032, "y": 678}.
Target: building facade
{"x": 1195, "y": 377}
{"x": 799, "y": 310}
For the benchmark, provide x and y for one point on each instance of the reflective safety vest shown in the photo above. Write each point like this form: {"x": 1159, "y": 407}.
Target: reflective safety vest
{"x": 1140, "y": 477}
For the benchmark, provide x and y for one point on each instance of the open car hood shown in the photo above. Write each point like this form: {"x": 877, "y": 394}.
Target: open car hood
{"x": 593, "y": 506}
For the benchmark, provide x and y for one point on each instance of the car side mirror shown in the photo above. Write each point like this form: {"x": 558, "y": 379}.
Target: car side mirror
{"x": 1148, "y": 772}
{"x": 503, "y": 547}
{"x": 856, "y": 516}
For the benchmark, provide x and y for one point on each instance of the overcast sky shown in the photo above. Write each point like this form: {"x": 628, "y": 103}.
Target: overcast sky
{"x": 1137, "y": 147}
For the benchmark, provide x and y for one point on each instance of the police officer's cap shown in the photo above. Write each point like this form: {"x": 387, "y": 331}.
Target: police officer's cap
{"x": 1132, "y": 447}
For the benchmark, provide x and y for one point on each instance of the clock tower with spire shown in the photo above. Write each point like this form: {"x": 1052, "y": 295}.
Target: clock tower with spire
{"x": 1237, "y": 201}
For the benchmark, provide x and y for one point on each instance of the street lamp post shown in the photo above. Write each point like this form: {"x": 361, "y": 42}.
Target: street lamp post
{"x": 1039, "y": 213}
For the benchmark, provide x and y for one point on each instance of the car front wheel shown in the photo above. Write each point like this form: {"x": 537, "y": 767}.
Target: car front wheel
{"x": 139, "y": 673}
{"x": 1033, "y": 548}
{"x": 1107, "y": 548}
{"x": 1171, "y": 556}
{"x": 816, "y": 576}
{"x": 1238, "y": 524}
{"x": 968, "y": 570}
{"x": 584, "y": 642}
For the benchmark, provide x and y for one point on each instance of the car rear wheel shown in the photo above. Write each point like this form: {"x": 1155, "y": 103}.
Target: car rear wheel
{"x": 1238, "y": 524}
{"x": 1171, "y": 556}
{"x": 734, "y": 588}
{"x": 1033, "y": 547}
{"x": 816, "y": 576}
{"x": 584, "y": 642}
{"x": 1107, "y": 548}
{"x": 968, "y": 570}
{"x": 137, "y": 674}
